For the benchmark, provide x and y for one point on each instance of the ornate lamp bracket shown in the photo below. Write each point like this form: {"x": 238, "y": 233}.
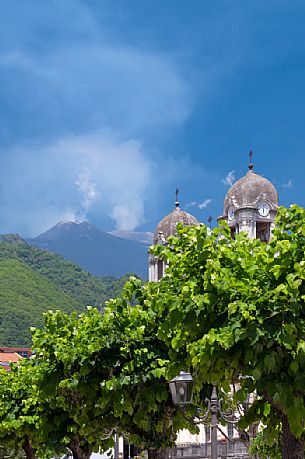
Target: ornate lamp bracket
{"x": 214, "y": 408}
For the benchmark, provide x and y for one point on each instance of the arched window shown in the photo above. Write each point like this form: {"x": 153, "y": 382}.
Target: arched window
{"x": 234, "y": 230}
{"x": 160, "y": 269}
{"x": 263, "y": 231}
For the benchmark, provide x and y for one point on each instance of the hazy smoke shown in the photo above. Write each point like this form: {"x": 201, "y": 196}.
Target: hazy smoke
{"x": 88, "y": 189}
{"x": 76, "y": 175}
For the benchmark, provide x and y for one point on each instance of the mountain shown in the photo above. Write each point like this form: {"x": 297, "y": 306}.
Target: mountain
{"x": 96, "y": 251}
{"x": 138, "y": 236}
{"x": 24, "y": 296}
{"x": 33, "y": 281}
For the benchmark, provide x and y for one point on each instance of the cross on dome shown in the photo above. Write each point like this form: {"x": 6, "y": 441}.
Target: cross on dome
{"x": 177, "y": 203}
{"x": 250, "y": 163}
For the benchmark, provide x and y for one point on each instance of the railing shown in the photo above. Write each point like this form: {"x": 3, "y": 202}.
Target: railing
{"x": 228, "y": 450}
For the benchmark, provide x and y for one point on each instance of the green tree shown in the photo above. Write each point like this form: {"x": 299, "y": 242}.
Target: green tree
{"x": 234, "y": 311}
{"x": 228, "y": 310}
{"x": 106, "y": 372}
{"x": 91, "y": 373}
{"x": 19, "y": 412}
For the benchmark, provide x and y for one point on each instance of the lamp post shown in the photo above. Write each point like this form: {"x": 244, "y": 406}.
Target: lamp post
{"x": 181, "y": 388}
{"x": 112, "y": 433}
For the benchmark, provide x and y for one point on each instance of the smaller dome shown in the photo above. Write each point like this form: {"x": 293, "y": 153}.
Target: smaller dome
{"x": 167, "y": 226}
{"x": 248, "y": 190}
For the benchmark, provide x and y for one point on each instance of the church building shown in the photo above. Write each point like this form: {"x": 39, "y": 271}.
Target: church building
{"x": 166, "y": 228}
{"x": 250, "y": 205}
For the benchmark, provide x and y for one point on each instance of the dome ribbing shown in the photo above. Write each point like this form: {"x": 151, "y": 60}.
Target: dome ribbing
{"x": 167, "y": 226}
{"x": 248, "y": 190}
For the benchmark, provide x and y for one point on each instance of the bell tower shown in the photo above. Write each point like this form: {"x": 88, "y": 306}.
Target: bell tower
{"x": 251, "y": 205}
{"x": 166, "y": 228}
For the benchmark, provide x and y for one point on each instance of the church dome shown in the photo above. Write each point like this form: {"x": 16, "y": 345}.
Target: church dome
{"x": 248, "y": 190}
{"x": 167, "y": 226}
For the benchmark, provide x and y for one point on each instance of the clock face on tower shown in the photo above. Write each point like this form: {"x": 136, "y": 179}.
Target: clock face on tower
{"x": 263, "y": 209}
{"x": 231, "y": 213}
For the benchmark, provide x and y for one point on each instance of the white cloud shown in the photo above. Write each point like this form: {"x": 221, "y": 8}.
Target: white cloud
{"x": 129, "y": 215}
{"x": 64, "y": 180}
{"x": 288, "y": 184}
{"x": 229, "y": 179}
{"x": 87, "y": 76}
{"x": 124, "y": 89}
{"x": 204, "y": 204}
{"x": 201, "y": 205}
{"x": 77, "y": 81}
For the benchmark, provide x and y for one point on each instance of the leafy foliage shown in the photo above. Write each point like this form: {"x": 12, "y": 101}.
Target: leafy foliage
{"x": 228, "y": 310}
{"x": 234, "y": 310}
{"x": 261, "y": 447}
{"x": 91, "y": 373}
{"x": 19, "y": 413}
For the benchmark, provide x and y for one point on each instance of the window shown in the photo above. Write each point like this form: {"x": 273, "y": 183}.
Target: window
{"x": 263, "y": 231}
{"x": 234, "y": 231}
{"x": 160, "y": 269}
{"x": 23, "y": 354}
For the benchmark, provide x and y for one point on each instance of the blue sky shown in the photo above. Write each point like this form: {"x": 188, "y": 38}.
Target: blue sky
{"x": 106, "y": 106}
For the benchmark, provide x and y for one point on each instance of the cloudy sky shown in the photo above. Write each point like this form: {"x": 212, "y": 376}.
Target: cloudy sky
{"x": 107, "y": 106}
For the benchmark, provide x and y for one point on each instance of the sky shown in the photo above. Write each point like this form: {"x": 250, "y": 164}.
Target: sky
{"x": 107, "y": 106}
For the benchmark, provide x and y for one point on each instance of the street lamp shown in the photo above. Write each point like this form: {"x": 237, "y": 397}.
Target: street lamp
{"x": 108, "y": 433}
{"x": 181, "y": 388}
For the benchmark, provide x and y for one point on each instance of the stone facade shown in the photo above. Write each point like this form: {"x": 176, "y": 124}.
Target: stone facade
{"x": 251, "y": 206}
{"x": 166, "y": 228}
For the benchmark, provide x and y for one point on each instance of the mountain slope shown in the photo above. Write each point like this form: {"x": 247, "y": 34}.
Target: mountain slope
{"x": 79, "y": 284}
{"x": 138, "y": 236}
{"x": 94, "y": 250}
{"x": 24, "y": 296}
{"x": 33, "y": 280}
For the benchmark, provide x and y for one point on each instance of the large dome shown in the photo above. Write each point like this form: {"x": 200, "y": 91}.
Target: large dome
{"x": 167, "y": 226}
{"x": 248, "y": 190}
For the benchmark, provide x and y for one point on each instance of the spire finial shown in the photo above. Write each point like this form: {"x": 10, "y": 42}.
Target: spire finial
{"x": 250, "y": 163}
{"x": 210, "y": 221}
{"x": 177, "y": 198}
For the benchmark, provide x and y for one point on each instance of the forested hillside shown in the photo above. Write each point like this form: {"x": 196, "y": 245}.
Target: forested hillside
{"x": 33, "y": 281}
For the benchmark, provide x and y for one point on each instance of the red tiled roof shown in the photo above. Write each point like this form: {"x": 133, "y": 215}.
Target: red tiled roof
{"x": 22, "y": 351}
{"x": 9, "y": 357}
